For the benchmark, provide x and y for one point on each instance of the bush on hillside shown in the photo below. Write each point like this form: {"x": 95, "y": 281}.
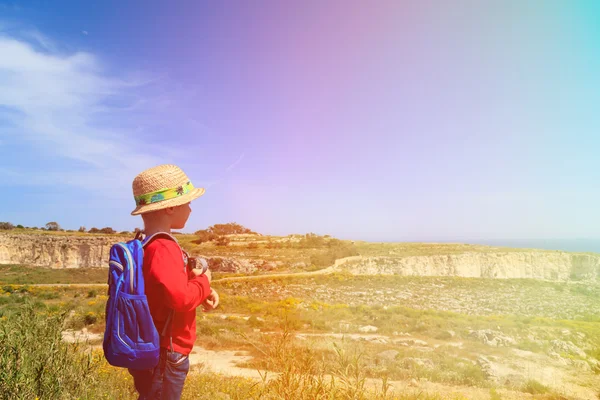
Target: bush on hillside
{"x": 312, "y": 241}
{"x": 36, "y": 362}
{"x": 222, "y": 241}
{"x": 276, "y": 245}
{"x": 53, "y": 226}
{"x": 231, "y": 228}
{"x": 204, "y": 236}
{"x": 6, "y": 226}
{"x": 217, "y": 231}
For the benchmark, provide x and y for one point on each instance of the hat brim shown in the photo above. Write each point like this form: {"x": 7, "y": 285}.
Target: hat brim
{"x": 177, "y": 201}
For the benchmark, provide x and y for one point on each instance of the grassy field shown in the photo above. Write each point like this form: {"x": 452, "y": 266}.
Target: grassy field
{"x": 22, "y": 231}
{"x": 331, "y": 336}
{"x": 370, "y": 249}
{"x": 36, "y": 363}
{"x": 449, "y": 332}
{"x": 19, "y": 274}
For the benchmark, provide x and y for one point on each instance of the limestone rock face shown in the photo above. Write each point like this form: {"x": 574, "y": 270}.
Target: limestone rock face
{"x": 567, "y": 347}
{"x": 548, "y": 265}
{"x": 73, "y": 251}
{"x": 86, "y": 251}
{"x": 228, "y": 264}
{"x": 57, "y": 251}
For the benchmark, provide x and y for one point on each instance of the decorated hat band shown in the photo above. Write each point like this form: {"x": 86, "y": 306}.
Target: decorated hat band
{"x": 163, "y": 194}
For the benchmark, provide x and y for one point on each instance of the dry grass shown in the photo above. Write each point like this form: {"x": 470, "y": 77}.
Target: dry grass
{"x": 369, "y": 249}
{"x": 264, "y": 316}
{"x": 18, "y": 274}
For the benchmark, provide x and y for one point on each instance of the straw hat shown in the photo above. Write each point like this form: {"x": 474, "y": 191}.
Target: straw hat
{"x": 161, "y": 187}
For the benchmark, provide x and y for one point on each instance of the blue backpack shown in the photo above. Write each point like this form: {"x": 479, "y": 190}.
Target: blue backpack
{"x": 130, "y": 338}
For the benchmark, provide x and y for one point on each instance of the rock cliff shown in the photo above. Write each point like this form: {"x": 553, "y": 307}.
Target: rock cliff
{"x": 72, "y": 251}
{"x": 56, "y": 251}
{"x": 548, "y": 265}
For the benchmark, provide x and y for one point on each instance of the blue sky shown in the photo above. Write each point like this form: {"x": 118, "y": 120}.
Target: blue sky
{"x": 386, "y": 121}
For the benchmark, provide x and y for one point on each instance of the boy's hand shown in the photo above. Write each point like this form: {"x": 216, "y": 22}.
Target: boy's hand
{"x": 211, "y": 302}
{"x": 198, "y": 272}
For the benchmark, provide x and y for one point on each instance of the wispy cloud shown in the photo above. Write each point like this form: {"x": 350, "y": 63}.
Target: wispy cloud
{"x": 228, "y": 170}
{"x": 40, "y": 39}
{"x": 235, "y": 164}
{"x": 64, "y": 106}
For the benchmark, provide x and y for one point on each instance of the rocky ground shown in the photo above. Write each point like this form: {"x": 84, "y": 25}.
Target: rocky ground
{"x": 527, "y": 298}
{"x": 507, "y": 369}
{"x": 475, "y": 338}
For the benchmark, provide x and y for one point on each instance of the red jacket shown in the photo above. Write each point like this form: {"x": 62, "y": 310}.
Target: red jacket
{"x": 169, "y": 286}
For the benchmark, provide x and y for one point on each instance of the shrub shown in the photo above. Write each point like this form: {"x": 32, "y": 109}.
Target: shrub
{"x": 36, "y": 363}
{"x": 8, "y": 289}
{"x": 222, "y": 241}
{"x": 274, "y": 245}
{"x": 20, "y": 226}
{"x": 534, "y": 387}
{"x": 312, "y": 241}
{"x": 81, "y": 229}
{"x": 53, "y": 226}
{"x": 6, "y": 226}
{"x": 107, "y": 230}
{"x": 94, "y": 230}
{"x": 307, "y": 374}
{"x": 444, "y": 335}
{"x": 204, "y": 236}
{"x": 90, "y": 318}
{"x": 494, "y": 395}
{"x": 231, "y": 228}
{"x": 254, "y": 322}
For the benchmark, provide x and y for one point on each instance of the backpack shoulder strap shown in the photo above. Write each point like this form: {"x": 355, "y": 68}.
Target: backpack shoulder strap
{"x": 165, "y": 235}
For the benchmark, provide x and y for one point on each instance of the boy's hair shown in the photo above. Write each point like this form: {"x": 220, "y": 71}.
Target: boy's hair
{"x": 161, "y": 187}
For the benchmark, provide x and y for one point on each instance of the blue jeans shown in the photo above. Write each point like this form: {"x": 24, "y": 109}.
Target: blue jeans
{"x": 165, "y": 381}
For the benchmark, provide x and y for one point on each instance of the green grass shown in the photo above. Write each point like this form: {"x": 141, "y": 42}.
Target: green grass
{"x": 19, "y": 274}
{"x": 425, "y": 307}
{"x": 370, "y": 249}
{"x": 36, "y": 363}
{"x": 525, "y": 298}
{"x": 19, "y": 231}
{"x": 534, "y": 387}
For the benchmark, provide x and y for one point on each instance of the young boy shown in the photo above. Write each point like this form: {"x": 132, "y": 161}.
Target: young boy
{"x": 163, "y": 195}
